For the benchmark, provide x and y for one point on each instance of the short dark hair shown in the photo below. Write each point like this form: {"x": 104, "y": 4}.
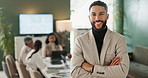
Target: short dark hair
{"x": 27, "y": 40}
{"x": 99, "y": 3}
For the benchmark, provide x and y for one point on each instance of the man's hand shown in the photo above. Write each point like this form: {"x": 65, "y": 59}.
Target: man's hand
{"x": 86, "y": 66}
{"x": 116, "y": 61}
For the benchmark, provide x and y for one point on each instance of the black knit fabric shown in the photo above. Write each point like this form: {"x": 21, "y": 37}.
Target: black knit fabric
{"x": 99, "y": 37}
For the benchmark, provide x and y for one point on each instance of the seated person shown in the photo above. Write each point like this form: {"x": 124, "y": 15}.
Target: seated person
{"x": 52, "y": 44}
{"x": 25, "y": 49}
{"x": 33, "y": 58}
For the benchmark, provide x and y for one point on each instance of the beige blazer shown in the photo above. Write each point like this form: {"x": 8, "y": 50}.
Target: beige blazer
{"x": 85, "y": 50}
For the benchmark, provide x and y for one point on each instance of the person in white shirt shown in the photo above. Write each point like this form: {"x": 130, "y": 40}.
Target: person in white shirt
{"x": 33, "y": 58}
{"x": 25, "y": 49}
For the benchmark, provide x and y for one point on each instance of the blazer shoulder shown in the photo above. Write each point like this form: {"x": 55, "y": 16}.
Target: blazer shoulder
{"x": 84, "y": 35}
{"x": 116, "y": 35}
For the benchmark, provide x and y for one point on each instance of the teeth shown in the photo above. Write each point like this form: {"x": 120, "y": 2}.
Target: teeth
{"x": 98, "y": 22}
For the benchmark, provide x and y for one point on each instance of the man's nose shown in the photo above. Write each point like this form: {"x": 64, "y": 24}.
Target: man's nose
{"x": 98, "y": 17}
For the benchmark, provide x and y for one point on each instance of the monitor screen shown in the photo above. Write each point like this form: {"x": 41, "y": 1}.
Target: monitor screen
{"x": 35, "y": 23}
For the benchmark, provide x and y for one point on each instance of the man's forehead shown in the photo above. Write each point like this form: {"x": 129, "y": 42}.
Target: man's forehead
{"x": 97, "y": 12}
{"x": 97, "y": 9}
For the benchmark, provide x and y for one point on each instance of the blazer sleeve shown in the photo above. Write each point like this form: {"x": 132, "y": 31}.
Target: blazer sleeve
{"x": 116, "y": 71}
{"x": 76, "y": 61}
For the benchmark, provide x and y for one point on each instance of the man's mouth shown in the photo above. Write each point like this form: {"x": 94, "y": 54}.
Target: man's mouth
{"x": 98, "y": 23}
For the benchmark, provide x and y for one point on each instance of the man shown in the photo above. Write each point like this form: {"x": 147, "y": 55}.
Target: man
{"x": 100, "y": 52}
{"x": 25, "y": 49}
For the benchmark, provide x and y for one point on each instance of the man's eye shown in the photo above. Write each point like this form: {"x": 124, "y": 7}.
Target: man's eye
{"x": 101, "y": 14}
{"x": 93, "y": 14}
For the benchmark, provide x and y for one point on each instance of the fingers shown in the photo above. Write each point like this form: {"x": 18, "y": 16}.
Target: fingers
{"x": 116, "y": 61}
{"x": 86, "y": 66}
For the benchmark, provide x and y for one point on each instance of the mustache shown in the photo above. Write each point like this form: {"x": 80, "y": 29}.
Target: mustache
{"x": 98, "y": 21}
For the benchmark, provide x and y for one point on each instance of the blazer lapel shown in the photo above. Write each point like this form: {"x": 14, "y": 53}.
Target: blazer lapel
{"x": 93, "y": 48}
{"x": 105, "y": 45}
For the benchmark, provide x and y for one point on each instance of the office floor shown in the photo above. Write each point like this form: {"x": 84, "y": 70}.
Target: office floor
{"x": 2, "y": 74}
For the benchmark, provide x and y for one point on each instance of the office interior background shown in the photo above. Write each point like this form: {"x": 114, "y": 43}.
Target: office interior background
{"x": 127, "y": 17}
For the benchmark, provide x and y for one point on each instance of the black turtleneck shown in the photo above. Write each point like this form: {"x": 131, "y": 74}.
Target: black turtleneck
{"x": 99, "y": 37}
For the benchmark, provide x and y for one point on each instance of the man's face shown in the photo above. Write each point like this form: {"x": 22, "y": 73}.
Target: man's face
{"x": 31, "y": 44}
{"x": 98, "y": 16}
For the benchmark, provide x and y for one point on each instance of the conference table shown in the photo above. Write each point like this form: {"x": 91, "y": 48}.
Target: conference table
{"x": 56, "y": 71}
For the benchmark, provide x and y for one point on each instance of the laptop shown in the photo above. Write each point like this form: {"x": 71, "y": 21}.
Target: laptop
{"x": 57, "y": 56}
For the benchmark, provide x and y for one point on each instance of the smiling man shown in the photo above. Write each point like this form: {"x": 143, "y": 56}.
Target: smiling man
{"x": 100, "y": 52}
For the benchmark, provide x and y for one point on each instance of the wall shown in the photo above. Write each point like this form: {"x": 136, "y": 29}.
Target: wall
{"x": 118, "y": 13}
{"x": 136, "y": 22}
{"x": 59, "y": 8}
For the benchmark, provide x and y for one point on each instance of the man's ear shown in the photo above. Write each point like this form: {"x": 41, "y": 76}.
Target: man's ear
{"x": 107, "y": 16}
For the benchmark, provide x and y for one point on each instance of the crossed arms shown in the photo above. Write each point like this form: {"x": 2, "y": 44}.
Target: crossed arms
{"x": 89, "y": 68}
{"x": 118, "y": 68}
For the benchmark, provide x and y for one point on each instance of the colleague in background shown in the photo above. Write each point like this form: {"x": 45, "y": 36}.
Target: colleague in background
{"x": 34, "y": 59}
{"x": 25, "y": 49}
{"x": 100, "y": 52}
{"x": 52, "y": 44}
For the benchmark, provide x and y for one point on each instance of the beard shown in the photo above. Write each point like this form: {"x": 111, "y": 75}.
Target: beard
{"x": 103, "y": 26}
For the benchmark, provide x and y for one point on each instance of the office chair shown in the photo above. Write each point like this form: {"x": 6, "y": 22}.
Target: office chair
{"x": 34, "y": 74}
{"x": 23, "y": 73}
{"x": 11, "y": 66}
